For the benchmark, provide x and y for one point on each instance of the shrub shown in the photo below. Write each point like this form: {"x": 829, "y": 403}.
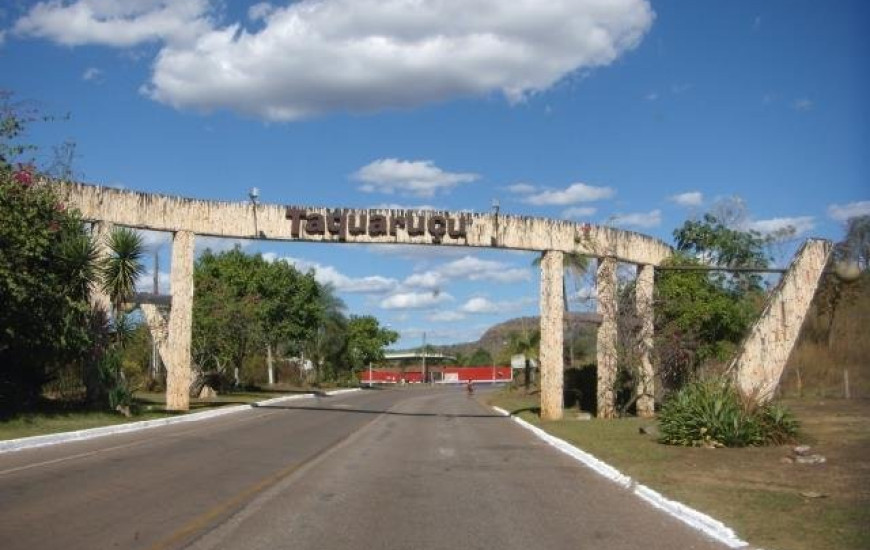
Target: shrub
{"x": 713, "y": 413}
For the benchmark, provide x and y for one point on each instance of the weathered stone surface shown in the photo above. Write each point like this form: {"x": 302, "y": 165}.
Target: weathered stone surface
{"x": 177, "y": 358}
{"x": 100, "y": 232}
{"x": 644, "y": 309}
{"x": 607, "y": 334}
{"x": 158, "y": 326}
{"x": 763, "y": 354}
{"x": 552, "y": 312}
{"x": 239, "y": 220}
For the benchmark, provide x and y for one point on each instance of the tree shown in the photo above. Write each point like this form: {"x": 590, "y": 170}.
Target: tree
{"x": 856, "y": 244}
{"x": 328, "y": 344}
{"x": 713, "y": 241}
{"x": 526, "y": 343}
{"x": 122, "y": 267}
{"x": 366, "y": 340}
{"x": 45, "y": 272}
{"x": 244, "y": 304}
{"x": 480, "y": 357}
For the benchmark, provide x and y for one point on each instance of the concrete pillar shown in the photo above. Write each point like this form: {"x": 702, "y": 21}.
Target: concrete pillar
{"x": 606, "y": 349}
{"x": 177, "y": 358}
{"x": 763, "y": 354}
{"x": 551, "y": 354}
{"x": 100, "y": 232}
{"x": 158, "y": 327}
{"x": 643, "y": 301}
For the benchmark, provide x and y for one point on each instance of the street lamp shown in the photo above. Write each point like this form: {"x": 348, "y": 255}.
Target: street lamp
{"x": 254, "y": 195}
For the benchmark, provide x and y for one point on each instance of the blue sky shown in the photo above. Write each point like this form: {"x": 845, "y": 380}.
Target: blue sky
{"x": 627, "y": 112}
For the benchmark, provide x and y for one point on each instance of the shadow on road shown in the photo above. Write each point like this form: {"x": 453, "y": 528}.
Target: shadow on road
{"x": 377, "y": 411}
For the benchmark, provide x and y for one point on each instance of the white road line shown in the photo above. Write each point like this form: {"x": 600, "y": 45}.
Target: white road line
{"x": 693, "y": 518}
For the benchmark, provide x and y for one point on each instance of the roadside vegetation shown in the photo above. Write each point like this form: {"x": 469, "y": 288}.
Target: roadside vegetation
{"x": 70, "y": 360}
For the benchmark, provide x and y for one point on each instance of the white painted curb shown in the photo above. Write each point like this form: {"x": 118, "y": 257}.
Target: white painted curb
{"x": 12, "y": 445}
{"x": 691, "y": 517}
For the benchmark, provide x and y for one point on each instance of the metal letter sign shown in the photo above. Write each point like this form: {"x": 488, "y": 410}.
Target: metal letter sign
{"x": 341, "y": 223}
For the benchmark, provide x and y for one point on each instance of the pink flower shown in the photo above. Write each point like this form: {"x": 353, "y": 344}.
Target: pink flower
{"x": 24, "y": 175}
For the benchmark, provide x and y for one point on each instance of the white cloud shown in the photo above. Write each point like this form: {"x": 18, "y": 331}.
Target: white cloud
{"x": 260, "y": 11}
{"x": 652, "y": 96}
{"x": 639, "y": 219}
{"x": 416, "y": 252}
{"x": 800, "y": 224}
{"x": 689, "y": 198}
{"x": 574, "y": 193}
{"x": 317, "y": 56}
{"x": 447, "y": 316}
{"x": 219, "y": 244}
{"x": 479, "y": 305}
{"x": 579, "y": 212}
{"x": 91, "y": 73}
{"x": 475, "y": 269}
{"x": 842, "y": 212}
{"x": 428, "y": 280}
{"x": 521, "y": 188}
{"x": 116, "y": 23}
{"x": 396, "y": 206}
{"x": 415, "y": 300}
{"x": 154, "y": 239}
{"x": 326, "y": 274}
{"x": 802, "y": 104}
{"x": 420, "y": 177}
{"x": 145, "y": 283}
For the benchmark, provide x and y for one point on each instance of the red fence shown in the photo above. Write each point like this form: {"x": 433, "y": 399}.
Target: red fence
{"x": 438, "y": 374}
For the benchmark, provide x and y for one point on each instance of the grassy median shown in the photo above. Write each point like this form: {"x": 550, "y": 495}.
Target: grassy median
{"x": 769, "y": 501}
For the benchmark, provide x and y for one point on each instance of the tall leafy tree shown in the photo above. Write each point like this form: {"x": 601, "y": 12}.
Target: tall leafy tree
{"x": 245, "y": 305}
{"x": 327, "y": 346}
{"x": 44, "y": 276}
{"x": 366, "y": 340}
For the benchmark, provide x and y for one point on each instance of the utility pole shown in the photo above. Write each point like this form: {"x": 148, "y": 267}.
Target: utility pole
{"x": 424, "y": 358}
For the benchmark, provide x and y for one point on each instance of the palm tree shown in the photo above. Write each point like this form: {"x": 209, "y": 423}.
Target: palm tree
{"x": 574, "y": 266}
{"x": 118, "y": 274}
{"x": 122, "y": 267}
{"x": 528, "y": 344}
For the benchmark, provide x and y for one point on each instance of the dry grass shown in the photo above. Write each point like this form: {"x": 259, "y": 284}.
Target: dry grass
{"x": 750, "y": 489}
{"x": 818, "y": 364}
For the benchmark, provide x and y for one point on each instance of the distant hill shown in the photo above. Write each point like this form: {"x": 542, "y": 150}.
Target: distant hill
{"x": 496, "y": 338}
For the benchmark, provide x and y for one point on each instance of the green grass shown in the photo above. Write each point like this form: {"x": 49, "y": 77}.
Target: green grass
{"x": 750, "y": 489}
{"x": 54, "y": 418}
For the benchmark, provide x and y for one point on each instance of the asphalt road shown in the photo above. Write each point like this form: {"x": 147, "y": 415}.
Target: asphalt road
{"x": 390, "y": 469}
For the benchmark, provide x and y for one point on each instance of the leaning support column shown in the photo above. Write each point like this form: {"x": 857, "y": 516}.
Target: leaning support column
{"x": 606, "y": 348}
{"x": 761, "y": 358}
{"x": 551, "y": 354}
{"x": 177, "y": 359}
{"x": 643, "y": 300}
{"x": 100, "y": 232}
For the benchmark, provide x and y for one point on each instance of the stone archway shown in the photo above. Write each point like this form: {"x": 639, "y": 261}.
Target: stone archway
{"x": 185, "y": 218}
